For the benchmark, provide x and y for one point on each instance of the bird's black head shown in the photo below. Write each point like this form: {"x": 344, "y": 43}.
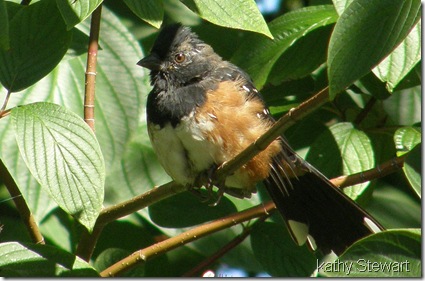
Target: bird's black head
{"x": 178, "y": 58}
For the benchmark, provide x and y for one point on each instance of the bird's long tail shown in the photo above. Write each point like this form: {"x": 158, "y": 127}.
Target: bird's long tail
{"x": 314, "y": 210}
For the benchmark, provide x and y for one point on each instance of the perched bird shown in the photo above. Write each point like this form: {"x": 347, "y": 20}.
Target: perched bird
{"x": 203, "y": 111}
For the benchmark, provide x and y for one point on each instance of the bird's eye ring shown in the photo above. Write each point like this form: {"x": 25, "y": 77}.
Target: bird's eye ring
{"x": 179, "y": 58}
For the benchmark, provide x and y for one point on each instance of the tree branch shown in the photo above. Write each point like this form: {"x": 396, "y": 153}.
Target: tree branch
{"x": 90, "y": 85}
{"x": 21, "y": 205}
{"x": 186, "y": 237}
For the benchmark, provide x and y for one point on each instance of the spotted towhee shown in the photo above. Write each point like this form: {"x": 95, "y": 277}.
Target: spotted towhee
{"x": 204, "y": 111}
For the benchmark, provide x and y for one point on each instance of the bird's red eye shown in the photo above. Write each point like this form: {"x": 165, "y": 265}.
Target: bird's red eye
{"x": 179, "y": 58}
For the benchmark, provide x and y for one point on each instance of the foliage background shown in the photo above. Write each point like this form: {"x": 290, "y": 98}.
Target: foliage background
{"x": 374, "y": 115}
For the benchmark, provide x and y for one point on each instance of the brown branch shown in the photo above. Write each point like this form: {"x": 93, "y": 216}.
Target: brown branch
{"x": 223, "y": 250}
{"x": 162, "y": 247}
{"x": 90, "y": 85}
{"x": 107, "y": 215}
{"x": 22, "y": 207}
{"x": 381, "y": 170}
{"x": 262, "y": 210}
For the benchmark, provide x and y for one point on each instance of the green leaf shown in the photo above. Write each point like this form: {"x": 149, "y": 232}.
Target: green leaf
{"x": 402, "y": 60}
{"x": 62, "y": 153}
{"x": 239, "y": 14}
{"x": 34, "y": 51}
{"x": 406, "y": 139}
{"x": 366, "y": 32}
{"x": 75, "y": 11}
{"x": 279, "y": 255}
{"x": 29, "y": 260}
{"x": 121, "y": 89}
{"x": 151, "y": 11}
{"x": 412, "y": 169}
{"x": 185, "y": 209}
{"x": 4, "y": 26}
{"x": 341, "y": 5}
{"x": 392, "y": 253}
{"x": 343, "y": 150}
{"x": 301, "y": 59}
{"x": 394, "y": 208}
{"x": 404, "y": 107}
{"x": 257, "y": 55}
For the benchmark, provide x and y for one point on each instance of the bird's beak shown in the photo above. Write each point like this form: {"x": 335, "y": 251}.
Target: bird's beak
{"x": 151, "y": 62}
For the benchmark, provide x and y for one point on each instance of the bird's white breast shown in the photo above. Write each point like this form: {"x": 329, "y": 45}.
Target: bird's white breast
{"x": 184, "y": 151}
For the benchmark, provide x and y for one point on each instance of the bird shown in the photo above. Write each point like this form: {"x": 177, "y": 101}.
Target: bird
{"x": 203, "y": 111}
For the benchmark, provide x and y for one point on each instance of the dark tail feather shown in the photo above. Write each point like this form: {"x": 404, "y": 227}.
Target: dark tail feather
{"x": 314, "y": 210}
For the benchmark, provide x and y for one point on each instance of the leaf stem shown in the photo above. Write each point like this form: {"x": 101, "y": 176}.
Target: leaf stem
{"x": 22, "y": 207}
{"x": 90, "y": 84}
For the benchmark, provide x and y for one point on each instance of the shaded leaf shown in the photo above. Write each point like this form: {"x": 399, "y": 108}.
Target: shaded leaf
{"x": 4, "y": 26}
{"x": 62, "y": 153}
{"x": 121, "y": 87}
{"x": 257, "y": 55}
{"x": 301, "y": 59}
{"x": 151, "y": 11}
{"x": 366, "y": 32}
{"x": 75, "y": 11}
{"x": 239, "y": 14}
{"x": 394, "y": 208}
{"x": 279, "y": 255}
{"x": 404, "y": 107}
{"x": 24, "y": 260}
{"x": 401, "y": 61}
{"x": 343, "y": 150}
{"x": 413, "y": 168}
{"x": 392, "y": 253}
{"x": 34, "y": 51}
{"x": 185, "y": 209}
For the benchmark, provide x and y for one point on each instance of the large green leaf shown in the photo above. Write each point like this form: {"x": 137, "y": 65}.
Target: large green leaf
{"x": 404, "y": 107}
{"x": 121, "y": 87}
{"x": 34, "y": 51}
{"x": 343, "y": 150}
{"x": 30, "y": 260}
{"x": 279, "y": 255}
{"x": 240, "y": 14}
{"x": 4, "y": 26}
{"x": 393, "y": 253}
{"x": 401, "y": 61}
{"x": 366, "y": 32}
{"x": 151, "y": 11}
{"x": 257, "y": 55}
{"x": 74, "y": 12}
{"x": 64, "y": 156}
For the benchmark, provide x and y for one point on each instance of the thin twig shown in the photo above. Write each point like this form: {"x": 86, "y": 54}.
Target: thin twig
{"x": 22, "y": 207}
{"x": 5, "y": 102}
{"x": 365, "y": 111}
{"x": 186, "y": 237}
{"x": 90, "y": 85}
